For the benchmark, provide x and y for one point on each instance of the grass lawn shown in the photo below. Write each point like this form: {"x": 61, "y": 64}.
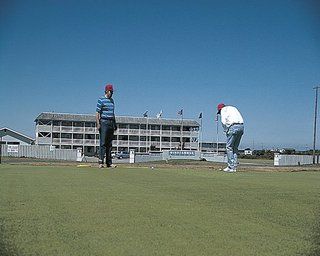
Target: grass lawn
{"x": 48, "y": 210}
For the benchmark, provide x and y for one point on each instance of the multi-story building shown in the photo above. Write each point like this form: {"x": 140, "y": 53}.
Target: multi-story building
{"x": 144, "y": 134}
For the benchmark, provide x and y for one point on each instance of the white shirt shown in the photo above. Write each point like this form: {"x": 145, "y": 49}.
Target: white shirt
{"x": 230, "y": 115}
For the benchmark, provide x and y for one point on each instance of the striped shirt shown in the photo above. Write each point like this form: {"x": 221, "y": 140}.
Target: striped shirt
{"x": 105, "y": 107}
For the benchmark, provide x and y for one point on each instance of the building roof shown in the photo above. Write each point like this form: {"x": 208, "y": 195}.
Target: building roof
{"x": 119, "y": 119}
{"x": 19, "y": 136}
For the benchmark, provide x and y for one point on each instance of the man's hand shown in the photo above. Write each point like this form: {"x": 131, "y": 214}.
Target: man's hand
{"x": 98, "y": 126}
{"x": 115, "y": 127}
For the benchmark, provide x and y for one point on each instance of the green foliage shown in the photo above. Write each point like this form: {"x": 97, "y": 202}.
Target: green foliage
{"x": 143, "y": 211}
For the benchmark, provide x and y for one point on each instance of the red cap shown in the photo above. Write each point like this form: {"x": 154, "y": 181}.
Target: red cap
{"x": 109, "y": 87}
{"x": 220, "y": 106}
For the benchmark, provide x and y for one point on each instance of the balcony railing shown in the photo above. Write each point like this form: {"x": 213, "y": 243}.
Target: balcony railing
{"x": 66, "y": 141}
{"x": 90, "y": 129}
{"x": 89, "y": 141}
{"x": 77, "y": 141}
{"x": 56, "y": 128}
{"x": 78, "y": 129}
{"x": 134, "y": 143}
{"x": 56, "y": 140}
{"x": 66, "y": 128}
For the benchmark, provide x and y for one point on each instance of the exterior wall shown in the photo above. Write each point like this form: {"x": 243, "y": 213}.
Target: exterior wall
{"x": 11, "y": 140}
{"x": 83, "y": 134}
{"x": 36, "y": 151}
{"x": 283, "y": 160}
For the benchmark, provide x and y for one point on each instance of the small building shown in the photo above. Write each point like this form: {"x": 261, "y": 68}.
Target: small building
{"x": 248, "y": 152}
{"x": 11, "y": 137}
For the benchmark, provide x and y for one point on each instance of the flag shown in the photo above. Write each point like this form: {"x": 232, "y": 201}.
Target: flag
{"x": 200, "y": 115}
{"x": 180, "y": 112}
{"x": 159, "y": 115}
{"x": 145, "y": 114}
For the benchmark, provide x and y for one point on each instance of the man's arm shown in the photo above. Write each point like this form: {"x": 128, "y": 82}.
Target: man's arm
{"x": 98, "y": 120}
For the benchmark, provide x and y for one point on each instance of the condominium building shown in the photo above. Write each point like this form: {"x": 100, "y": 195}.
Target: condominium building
{"x": 143, "y": 134}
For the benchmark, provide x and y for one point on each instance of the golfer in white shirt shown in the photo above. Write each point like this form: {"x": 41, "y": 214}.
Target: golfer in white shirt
{"x": 232, "y": 123}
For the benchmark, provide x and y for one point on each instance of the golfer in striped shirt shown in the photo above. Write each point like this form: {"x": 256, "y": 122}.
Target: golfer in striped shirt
{"x": 106, "y": 124}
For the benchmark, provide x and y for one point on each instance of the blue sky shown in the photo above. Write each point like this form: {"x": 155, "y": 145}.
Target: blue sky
{"x": 261, "y": 56}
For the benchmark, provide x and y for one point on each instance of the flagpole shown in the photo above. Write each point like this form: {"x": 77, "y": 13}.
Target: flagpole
{"x": 217, "y": 119}
{"x": 182, "y": 129}
{"x": 147, "y": 129}
{"x": 200, "y": 137}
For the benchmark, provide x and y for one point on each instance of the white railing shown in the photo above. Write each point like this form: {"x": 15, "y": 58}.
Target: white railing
{"x": 66, "y": 141}
{"x": 78, "y": 129}
{"x": 91, "y": 141}
{"x": 90, "y": 129}
{"x": 66, "y": 128}
{"x": 56, "y": 140}
{"x": 153, "y": 132}
{"x": 56, "y": 128}
{"x": 77, "y": 141}
{"x": 122, "y": 143}
{"x": 134, "y": 143}
{"x": 133, "y": 131}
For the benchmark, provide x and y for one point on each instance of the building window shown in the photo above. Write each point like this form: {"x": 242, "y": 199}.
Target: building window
{"x": 13, "y": 143}
{"x": 175, "y": 139}
{"x": 66, "y": 135}
{"x": 56, "y": 135}
{"x": 143, "y": 138}
{"x": 186, "y": 128}
{"x": 56, "y": 123}
{"x": 65, "y": 146}
{"x": 153, "y": 138}
{"x": 90, "y": 124}
{"x": 78, "y": 136}
{"x": 165, "y": 127}
{"x": 155, "y": 127}
{"x": 89, "y": 149}
{"x": 123, "y": 137}
{"x": 134, "y": 138}
{"x": 165, "y": 139}
{"x": 143, "y": 126}
{"x": 66, "y": 123}
{"x": 89, "y": 136}
{"x": 123, "y": 126}
{"x": 176, "y": 128}
{"x": 78, "y": 124}
{"x": 133, "y": 126}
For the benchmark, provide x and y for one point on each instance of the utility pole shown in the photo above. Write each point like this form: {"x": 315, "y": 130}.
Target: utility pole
{"x": 315, "y": 124}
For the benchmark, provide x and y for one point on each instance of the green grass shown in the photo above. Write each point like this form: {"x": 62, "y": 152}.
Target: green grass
{"x": 47, "y": 210}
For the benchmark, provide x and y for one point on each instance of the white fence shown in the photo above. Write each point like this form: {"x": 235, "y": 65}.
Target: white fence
{"x": 37, "y": 151}
{"x": 179, "y": 154}
{"x": 280, "y": 160}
